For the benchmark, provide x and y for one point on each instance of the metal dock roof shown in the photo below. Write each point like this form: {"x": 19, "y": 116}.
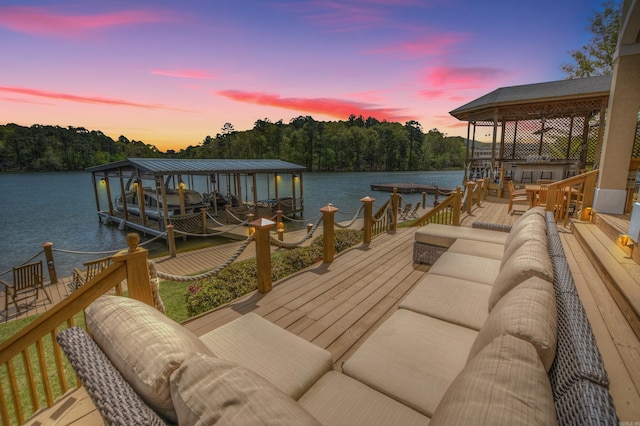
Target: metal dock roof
{"x": 172, "y": 166}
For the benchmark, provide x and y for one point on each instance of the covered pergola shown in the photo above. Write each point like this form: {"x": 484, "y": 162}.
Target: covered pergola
{"x": 560, "y": 122}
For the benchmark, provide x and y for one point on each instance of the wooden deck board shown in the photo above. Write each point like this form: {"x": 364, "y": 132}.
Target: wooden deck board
{"x": 616, "y": 340}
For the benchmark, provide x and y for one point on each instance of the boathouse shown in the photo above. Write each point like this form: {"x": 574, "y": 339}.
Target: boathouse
{"x": 147, "y": 194}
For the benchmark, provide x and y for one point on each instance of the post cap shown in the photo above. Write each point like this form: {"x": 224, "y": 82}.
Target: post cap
{"x": 367, "y": 199}
{"x": 262, "y": 223}
{"x": 329, "y": 208}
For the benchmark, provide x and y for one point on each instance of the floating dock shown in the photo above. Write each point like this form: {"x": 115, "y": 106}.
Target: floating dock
{"x": 409, "y": 188}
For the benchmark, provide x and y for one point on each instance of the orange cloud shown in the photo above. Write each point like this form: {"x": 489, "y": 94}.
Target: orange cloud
{"x": 185, "y": 73}
{"x": 332, "y": 107}
{"x": 45, "y": 22}
{"x": 76, "y": 98}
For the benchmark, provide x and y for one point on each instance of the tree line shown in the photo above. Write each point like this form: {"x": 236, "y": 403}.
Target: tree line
{"x": 355, "y": 144}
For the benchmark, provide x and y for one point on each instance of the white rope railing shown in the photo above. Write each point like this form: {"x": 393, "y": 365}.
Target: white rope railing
{"x": 302, "y": 220}
{"x": 289, "y": 245}
{"x": 23, "y": 263}
{"x": 355, "y": 217}
{"x": 208, "y": 274}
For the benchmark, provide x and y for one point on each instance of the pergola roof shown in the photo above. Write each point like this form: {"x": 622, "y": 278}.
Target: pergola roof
{"x": 172, "y": 166}
{"x": 573, "y": 91}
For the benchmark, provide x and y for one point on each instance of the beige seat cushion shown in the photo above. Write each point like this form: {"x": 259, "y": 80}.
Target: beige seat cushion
{"x": 445, "y": 235}
{"x": 207, "y": 391}
{"x": 531, "y": 259}
{"x": 505, "y": 384}
{"x": 286, "y": 360}
{"x": 467, "y": 267}
{"x": 143, "y": 344}
{"x": 337, "y": 399}
{"x": 412, "y": 358}
{"x": 454, "y": 300}
{"x": 528, "y": 312}
{"x": 477, "y": 248}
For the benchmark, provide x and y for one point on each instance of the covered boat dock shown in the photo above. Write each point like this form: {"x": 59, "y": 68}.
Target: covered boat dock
{"x": 147, "y": 194}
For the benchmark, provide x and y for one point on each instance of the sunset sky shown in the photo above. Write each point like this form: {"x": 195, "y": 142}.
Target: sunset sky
{"x": 170, "y": 73}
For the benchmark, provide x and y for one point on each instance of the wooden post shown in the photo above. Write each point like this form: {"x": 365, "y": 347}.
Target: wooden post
{"x": 181, "y": 195}
{"x": 51, "y": 265}
{"x": 395, "y": 201}
{"x": 203, "y": 210}
{"x": 328, "y": 240}
{"x": 309, "y": 227}
{"x": 589, "y": 190}
{"x": 470, "y": 185}
{"x": 368, "y": 217}
{"x": 457, "y": 207}
{"x": 280, "y": 225}
{"x": 479, "y": 191}
{"x": 108, "y": 187}
{"x": 138, "y": 279}
{"x": 143, "y": 213}
{"x": 424, "y": 198}
{"x": 263, "y": 253}
{"x": 171, "y": 239}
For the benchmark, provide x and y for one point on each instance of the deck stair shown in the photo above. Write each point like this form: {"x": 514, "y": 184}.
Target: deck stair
{"x": 619, "y": 272}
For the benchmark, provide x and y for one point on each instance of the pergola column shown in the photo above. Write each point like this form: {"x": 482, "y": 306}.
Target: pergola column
{"x": 624, "y": 105}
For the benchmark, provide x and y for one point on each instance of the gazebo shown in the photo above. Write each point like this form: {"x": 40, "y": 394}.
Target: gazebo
{"x": 555, "y": 127}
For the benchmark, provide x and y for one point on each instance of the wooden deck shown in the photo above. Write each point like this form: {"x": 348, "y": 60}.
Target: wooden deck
{"x": 337, "y": 306}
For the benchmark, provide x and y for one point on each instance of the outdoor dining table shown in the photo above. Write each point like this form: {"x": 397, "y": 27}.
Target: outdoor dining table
{"x": 533, "y": 191}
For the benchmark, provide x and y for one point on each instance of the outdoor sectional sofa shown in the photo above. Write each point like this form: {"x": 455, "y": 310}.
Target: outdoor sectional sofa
{"x": 493, "y": 334}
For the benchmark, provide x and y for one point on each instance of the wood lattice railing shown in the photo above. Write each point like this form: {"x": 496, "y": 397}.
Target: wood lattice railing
{"x": 33, "y": 372}
{"x": 447, "y": 212}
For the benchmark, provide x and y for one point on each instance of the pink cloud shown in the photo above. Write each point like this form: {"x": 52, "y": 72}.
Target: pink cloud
{"x": 24, "y": 101}
{"x": 427, "y": 45}
{"x": 186, "y": 73}
{"x": 45, "y": 22}
{"x": 81, "y": 99}
{"x": 446, "y": 81}
{"x": 461, "y": 78}
{"x": 342, "y": 16}
{"x": 333, "y": 107}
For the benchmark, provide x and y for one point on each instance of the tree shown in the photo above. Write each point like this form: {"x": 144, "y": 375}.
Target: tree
{"x": 596, "y": 57}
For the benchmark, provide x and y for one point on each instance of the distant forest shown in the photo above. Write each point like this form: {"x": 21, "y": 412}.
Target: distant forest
{"x": 356, "y": 144}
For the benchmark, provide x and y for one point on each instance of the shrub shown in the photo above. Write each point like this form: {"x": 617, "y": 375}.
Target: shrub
{"x": 241, "y": 277}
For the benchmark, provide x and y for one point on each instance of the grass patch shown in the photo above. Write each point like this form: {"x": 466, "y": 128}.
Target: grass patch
{"x": 240, "y": 278}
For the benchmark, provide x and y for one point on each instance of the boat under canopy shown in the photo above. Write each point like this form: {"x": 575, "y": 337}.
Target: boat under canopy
{"x": 149, "y": 193}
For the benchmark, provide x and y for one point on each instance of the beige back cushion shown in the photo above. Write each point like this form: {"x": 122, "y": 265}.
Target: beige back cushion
{"x": 144, "y": 345}
{"x": 523, "y": 222}
{"x": 531, "y": 259}
{"x": 504, "y": 384}
{"x": 528, "y": 312}
{"x": 209, "y": 391}
{"x": 534, "y": 230}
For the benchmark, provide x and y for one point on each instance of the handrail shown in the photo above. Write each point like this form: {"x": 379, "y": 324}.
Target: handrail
{"x": 574, "y": 194}
{"x": 26, "y": 349}
{"x": 381, "y": 222}
{"x": 446, "y": 213}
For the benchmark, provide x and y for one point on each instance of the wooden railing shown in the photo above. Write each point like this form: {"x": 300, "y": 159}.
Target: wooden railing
{"x": 572, "y": 196}
{"x": 447, "y": 212}
{"x": 32, "y": 367}
{"x": 381, "y": 220}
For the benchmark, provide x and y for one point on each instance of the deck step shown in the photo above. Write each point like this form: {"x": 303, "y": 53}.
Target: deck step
{"x": 620, "y": 273}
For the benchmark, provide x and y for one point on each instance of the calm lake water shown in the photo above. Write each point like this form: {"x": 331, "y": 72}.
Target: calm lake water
{"x": 60, "y": 207}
